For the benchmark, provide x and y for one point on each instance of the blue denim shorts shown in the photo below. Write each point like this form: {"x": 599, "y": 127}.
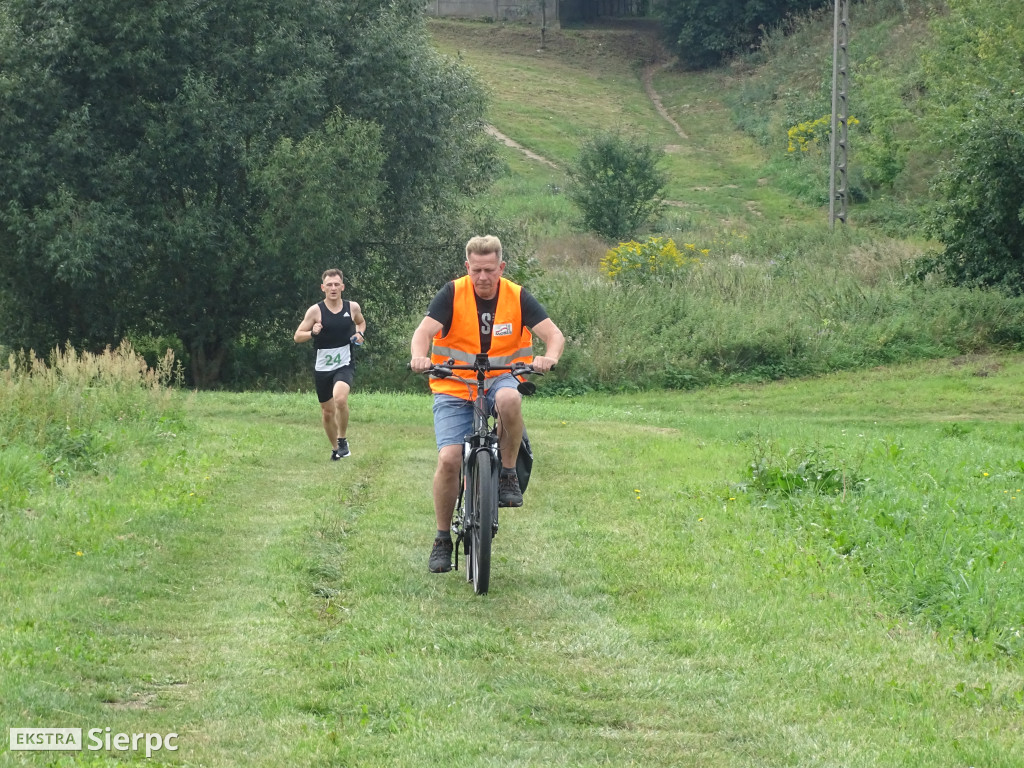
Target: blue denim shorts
{"x": 453, "y": 416}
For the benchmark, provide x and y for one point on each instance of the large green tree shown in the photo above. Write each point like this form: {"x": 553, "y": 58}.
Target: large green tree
{"x": 189, "y": 168}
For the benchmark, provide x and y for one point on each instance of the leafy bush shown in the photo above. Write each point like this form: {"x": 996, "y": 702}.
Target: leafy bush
{"x": 616, "y": 181}
{"x": 973, "y": 77}
{"x": 813, "y": 134}
{"x": 980, "y": 219}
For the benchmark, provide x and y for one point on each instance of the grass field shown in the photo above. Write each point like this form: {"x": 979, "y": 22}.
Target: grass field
{"x": 201, "y": 568}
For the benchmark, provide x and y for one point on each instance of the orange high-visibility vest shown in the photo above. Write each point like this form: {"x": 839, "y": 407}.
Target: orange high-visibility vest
{"x": 510, "y": 341}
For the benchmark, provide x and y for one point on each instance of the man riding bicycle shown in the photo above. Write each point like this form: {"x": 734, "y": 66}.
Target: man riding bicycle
{"x": 481, "y": 312}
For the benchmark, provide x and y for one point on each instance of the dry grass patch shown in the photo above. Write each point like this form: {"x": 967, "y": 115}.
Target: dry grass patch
{"x": 585, "y": 250}
{"x": 879, "y": 260}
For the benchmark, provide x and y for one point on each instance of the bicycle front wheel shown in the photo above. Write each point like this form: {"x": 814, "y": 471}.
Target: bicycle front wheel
{"x": 483, "y": 493}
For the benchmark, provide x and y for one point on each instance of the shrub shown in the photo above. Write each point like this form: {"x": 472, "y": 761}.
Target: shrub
{"x": 980, "y": 219}
{"x": 616, "y": 182}
{"x": 974, "y": 87}
{"x": 810, "y": 134}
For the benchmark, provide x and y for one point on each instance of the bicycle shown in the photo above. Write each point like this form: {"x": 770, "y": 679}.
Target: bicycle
{"x": 475, "y": 521}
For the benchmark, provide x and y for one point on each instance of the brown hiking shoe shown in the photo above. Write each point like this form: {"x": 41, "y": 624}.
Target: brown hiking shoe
{"x": 441, "y": 556}
{"x": 509, "y": 494}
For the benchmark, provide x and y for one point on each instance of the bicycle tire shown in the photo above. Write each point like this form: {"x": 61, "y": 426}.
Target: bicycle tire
{"x": 483, "y": 490}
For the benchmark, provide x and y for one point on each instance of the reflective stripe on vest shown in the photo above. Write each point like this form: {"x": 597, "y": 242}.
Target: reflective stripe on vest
{"x": 462, "y": 342}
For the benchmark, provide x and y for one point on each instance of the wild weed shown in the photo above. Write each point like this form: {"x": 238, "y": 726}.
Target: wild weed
{"x": 74, "y": 408}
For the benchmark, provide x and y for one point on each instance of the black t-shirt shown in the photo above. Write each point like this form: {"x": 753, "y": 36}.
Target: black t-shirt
{"x": 442, "y": 307}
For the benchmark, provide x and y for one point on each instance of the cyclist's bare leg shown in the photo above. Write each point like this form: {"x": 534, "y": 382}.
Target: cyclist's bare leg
{"x": 446, "y": 485}
{"x": 509, "y": 404}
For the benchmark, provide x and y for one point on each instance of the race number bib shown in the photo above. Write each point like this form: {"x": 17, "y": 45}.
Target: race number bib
{"x": 332, "y": 359}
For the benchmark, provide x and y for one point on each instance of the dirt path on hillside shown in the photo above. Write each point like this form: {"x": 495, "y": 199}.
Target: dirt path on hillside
{"x": 652, "y": 94}
{"x": 516, "y": 145}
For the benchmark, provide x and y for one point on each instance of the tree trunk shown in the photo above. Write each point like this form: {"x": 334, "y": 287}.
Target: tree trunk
{"x": 207, "y": 361}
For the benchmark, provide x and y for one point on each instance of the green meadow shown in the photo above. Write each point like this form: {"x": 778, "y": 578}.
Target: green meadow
{"x": 819, "y": 572}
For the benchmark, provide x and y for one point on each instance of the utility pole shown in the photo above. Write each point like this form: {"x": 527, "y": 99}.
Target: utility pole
{"x": 543, "y": 22}
{"x": 838, "y": 186}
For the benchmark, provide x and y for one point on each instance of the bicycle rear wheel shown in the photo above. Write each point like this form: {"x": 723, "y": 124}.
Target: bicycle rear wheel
{"x": 483, "y": 496}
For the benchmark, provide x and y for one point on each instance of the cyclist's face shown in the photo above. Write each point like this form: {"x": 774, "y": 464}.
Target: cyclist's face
{"x": 484, "y": 271}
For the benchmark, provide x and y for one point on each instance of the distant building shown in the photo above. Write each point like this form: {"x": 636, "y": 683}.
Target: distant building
{"x": 549, "y": 12}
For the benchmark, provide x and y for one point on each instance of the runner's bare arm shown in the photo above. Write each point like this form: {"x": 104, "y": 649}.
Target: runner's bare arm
{"x": 310, "y": 325}
{"x": 357, "y": 318}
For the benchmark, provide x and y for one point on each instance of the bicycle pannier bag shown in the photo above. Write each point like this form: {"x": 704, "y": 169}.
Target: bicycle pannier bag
{"x": 524, "y": 463}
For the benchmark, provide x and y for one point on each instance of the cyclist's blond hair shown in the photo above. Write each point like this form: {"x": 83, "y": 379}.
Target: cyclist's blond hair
{"x": 483, "y": 244}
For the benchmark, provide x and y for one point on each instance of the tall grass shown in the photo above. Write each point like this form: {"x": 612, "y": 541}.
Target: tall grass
{"x": 797, "y": 303}
{"x": 66, "y": 413}
{"x": 77, "y": 388}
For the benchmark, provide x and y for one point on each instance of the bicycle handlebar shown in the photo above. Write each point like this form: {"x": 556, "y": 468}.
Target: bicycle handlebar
{"x": 445, "y": 370}
{"x": 482, "y": 366}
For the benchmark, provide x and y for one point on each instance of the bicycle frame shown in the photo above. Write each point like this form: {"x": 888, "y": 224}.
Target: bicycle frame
{"x": 482, "y": 438}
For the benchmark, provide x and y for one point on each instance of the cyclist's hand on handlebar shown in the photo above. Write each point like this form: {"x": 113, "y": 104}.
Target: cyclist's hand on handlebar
{"x": 420, "y": 364}
{"x": 543, "y": 364}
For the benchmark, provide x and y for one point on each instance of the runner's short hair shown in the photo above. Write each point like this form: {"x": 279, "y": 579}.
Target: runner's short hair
{"x": 331, "y": 273}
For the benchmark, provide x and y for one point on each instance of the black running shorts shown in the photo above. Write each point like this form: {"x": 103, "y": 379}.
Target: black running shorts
{"x": 325, "y": 381}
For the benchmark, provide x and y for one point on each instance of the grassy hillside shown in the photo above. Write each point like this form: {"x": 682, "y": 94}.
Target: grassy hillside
{"x": 548, "y": 99}
{"x": 728, "y": 161}
{"x": 775, "y": 292}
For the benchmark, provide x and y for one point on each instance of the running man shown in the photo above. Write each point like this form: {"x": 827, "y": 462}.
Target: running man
{"x": 335, "y": 325}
